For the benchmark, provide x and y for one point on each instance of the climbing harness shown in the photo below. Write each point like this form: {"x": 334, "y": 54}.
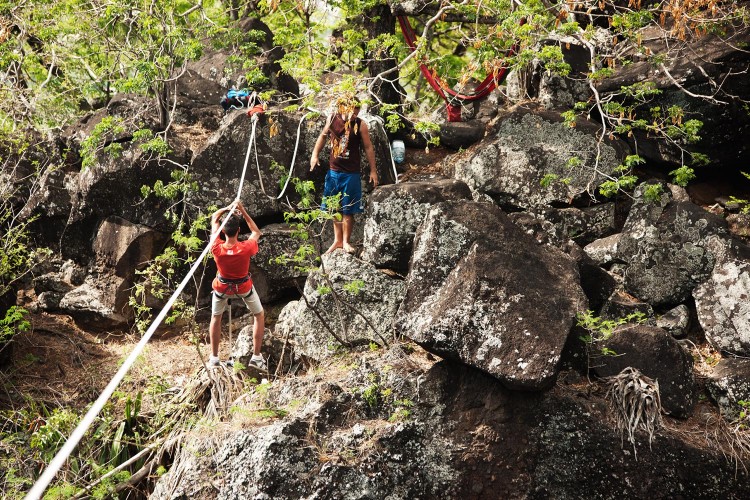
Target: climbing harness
{"x": 452, "y": 98}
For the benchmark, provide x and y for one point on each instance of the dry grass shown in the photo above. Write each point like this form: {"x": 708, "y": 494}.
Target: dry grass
{"x": 636, "y": 403}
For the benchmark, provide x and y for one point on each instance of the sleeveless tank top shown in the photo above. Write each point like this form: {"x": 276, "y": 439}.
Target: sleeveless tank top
{"x": 345, "y": 140}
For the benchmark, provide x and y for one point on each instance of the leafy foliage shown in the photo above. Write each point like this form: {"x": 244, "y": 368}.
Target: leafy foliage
{"x": 601, "y": 329}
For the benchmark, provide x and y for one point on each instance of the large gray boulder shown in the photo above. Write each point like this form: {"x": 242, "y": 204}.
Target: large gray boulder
{"x": 219, "y": 164}
{"x": 363, "y": 314}
{"x": 482, "y": 291}
{"x": 583, "y": 225}
{"x": 100, "y": 302}
{"x": 510, "y": 165}
{"x": 670, "y": 248}
{"x": 723, "y": 304}
{"x": 394, "y": 213}
{"x": 728, "y": 384}
{"x": 123, "y": 246}
{"x": 656, "y": 354}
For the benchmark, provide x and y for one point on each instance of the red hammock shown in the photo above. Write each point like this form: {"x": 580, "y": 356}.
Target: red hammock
{"x": 482, "y": 90}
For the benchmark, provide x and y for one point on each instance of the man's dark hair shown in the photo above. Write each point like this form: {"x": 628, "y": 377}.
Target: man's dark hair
{"x": 232, "y": 227}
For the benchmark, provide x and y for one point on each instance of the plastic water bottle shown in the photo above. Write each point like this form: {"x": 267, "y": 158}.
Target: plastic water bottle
{"x": 398, "y": 150}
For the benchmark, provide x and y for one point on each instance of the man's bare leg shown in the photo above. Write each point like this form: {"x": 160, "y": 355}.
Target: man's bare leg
{"x": 214, "y": 334}
{"x": 337, "y": 236}
{"x": 348, "y": 226}
{"x": 259, "y": 326}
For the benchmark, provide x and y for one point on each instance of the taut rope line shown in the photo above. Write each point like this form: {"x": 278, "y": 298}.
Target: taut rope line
{"x": 75, "y": 437}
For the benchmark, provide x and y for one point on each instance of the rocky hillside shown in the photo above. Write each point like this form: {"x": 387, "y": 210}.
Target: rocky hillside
{"x": 499, "y": 297}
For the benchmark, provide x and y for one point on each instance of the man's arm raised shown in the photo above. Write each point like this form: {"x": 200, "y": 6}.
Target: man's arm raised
{"x": 255, "y": 233}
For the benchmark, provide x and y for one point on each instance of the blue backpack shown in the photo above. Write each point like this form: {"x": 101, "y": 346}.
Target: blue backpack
{"x": 235, "y": 99}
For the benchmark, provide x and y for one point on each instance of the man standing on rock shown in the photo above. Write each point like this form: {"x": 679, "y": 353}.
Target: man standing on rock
{"x": 347, "y": 132}
{"x": 232, "y": 258}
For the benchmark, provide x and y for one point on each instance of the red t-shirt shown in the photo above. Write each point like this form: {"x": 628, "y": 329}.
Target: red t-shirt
{"x": 233, "y": 264}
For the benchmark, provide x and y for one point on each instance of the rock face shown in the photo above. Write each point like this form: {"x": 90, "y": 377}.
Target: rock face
{"x": 482, "y": 291}
{"x": 658, "y": 356}
{"x": 101, "y": 301}
{"x": 274, "y": 281}
{"x": 124, "y": 246}
{"x": 221, "y": 162}
{"x": 729, "y": 383}
{"x": 723, "y": 305}
{"x": 372, "y": 304}
{"x": 670, "y": 248}
{"x": 464, "y": 436}
{"x": 393, "y": 215}
{"x": 509, "y": 166}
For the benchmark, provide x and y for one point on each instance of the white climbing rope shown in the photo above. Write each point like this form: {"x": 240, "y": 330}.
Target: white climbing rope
{"x": 75, "y": 437}
{"x": 291, "y": 167}
{"x": 88, "y": 419}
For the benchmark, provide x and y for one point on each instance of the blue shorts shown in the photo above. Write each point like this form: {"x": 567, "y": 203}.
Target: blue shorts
{"x": 350, "y": 187}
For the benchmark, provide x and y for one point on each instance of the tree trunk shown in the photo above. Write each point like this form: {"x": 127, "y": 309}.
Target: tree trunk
{"x": 162, "y": 103}
{"x": 378, "y": 21}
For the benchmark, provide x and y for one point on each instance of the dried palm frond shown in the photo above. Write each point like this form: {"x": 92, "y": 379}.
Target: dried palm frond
{"x": 636, "y": 402}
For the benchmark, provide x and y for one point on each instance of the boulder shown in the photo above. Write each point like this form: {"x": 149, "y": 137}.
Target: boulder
{"x": 621, "y": 304}
{"x": 482, "y": 291}
{"x": 670, "y": 247}
{"x": 583, "y": 225}
{"x": 723, "y": 304}
{"x": 597, "y": 284}
{"x": 369, "y": 304}
{"x": 728, "y": 384}
{"x": 393, "y": 215}
{"x": 465, "y": 436}
{"x": 461, "y": 135}
{"x": 676, "y": 321}
{"x": 100, "y": 302}
{"x": 542, "y": 230}
{"x": 697, "y": 66}
{"x": 123, "y": 246}
{"x": 220, "y": 162}
{"x": 274, "y": 281}
{"x": 658, "y": 356}
{"x": 197, "y": 108}
{"x": 510, "y": 164}
{"x": 604, "y": 250}
{"x": 382, "y": 145}
{"x": 216, "y": 66}
{"x": 564, "y": 92}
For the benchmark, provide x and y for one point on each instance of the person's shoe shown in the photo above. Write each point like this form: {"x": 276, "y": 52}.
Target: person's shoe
{"x": 258, "y": 363}
{"x": 213, "y": 362}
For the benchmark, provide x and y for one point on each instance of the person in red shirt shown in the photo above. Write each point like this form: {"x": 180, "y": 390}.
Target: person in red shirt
{"x": 347, "y": 132}
{"x": 233, "y": 279}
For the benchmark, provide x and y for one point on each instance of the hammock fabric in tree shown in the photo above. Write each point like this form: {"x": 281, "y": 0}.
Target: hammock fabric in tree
{"x": 449, "y": 95}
